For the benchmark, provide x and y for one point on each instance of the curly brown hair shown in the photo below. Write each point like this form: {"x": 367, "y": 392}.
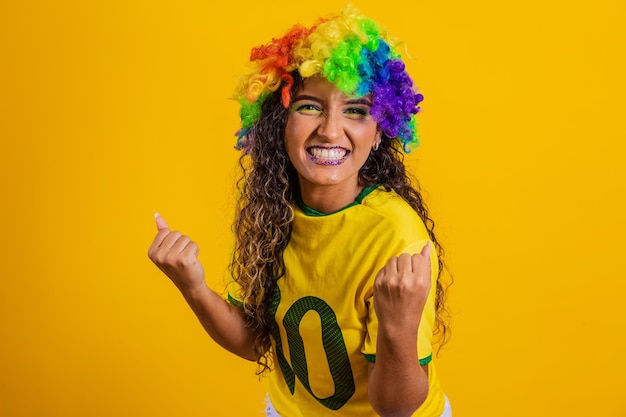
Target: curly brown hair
{"x": 264, "y": 213}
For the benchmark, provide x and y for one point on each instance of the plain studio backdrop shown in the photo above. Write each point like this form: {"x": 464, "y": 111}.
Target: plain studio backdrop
{"x": 112, "y": 110}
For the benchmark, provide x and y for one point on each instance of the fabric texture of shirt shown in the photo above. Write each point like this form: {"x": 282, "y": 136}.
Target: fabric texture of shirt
{"x": 325, "y": 329}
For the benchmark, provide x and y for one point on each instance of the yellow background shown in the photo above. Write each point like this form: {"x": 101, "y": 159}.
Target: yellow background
{"x": 112, "y": 110}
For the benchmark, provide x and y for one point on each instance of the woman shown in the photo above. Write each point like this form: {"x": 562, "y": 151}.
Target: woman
{"x": 335, "y": 286}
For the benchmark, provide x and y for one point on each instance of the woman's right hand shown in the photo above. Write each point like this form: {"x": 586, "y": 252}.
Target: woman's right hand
{"x": 177, "y": 256}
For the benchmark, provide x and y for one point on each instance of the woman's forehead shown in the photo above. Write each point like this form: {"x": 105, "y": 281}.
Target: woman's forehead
{"x": 320, "y": 85}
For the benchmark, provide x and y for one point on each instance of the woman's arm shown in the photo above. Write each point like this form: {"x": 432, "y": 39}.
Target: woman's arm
{"x": 177, "y": 256}
{"x": 398, "y": 385}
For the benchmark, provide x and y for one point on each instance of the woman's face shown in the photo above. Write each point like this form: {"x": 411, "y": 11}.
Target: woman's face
{"x": 328, "y": 135}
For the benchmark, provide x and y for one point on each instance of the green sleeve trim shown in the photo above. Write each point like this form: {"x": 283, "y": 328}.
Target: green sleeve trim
{"x": 426, "y": 360}
{"x": 423, "y": 361}
{"x": 234, "y": 301}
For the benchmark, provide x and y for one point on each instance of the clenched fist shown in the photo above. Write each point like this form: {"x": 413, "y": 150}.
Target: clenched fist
{"x": 401, "y": 288}
{"x": 177, "y": 256}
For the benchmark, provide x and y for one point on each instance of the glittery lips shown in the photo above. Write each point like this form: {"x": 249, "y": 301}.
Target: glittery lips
{"x": 332, "y": 155}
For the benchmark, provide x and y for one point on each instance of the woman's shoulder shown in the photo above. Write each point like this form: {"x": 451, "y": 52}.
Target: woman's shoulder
{"x": 393, "y": 210}
{"x": 387, "y": 202}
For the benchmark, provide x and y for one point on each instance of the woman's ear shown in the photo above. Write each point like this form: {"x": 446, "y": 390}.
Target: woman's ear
{"x": 377, "y": 139}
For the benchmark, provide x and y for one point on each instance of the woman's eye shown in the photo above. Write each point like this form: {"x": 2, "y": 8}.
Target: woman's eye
{"x": 356, "y": 112}
{"x": 307, "y": 108}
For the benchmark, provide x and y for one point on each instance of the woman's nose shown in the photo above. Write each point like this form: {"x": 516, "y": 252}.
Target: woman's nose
{"x": 331, "y": 126}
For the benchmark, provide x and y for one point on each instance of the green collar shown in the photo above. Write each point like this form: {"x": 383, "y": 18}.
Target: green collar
{"x": 312, "y": 212}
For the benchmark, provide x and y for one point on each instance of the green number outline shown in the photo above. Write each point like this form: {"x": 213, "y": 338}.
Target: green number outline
{"x": 332, "y": 340}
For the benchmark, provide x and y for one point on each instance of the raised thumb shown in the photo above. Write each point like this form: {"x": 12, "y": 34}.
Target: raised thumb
{"x": 160, "y": 222}
{"x": 426, "y": 251}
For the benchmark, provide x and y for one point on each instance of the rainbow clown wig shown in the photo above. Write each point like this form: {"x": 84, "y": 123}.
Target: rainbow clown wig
{"x": 349, "y": 50}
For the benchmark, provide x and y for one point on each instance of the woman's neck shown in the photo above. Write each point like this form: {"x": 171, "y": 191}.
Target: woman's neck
{"x": 329, "y": 198}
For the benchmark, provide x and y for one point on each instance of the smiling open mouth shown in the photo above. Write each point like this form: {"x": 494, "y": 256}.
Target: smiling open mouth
{"x": 333, "y": 155}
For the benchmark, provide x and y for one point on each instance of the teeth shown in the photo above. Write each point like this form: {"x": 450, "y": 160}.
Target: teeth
{"x": 330, "y": 154}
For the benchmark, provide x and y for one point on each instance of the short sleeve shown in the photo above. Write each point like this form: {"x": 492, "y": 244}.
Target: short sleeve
{"x": 235, "y": 293}
{"x": 427, "y": 322}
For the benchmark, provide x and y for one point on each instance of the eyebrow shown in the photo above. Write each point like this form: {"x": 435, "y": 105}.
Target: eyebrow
{"x": 360, "y": 100}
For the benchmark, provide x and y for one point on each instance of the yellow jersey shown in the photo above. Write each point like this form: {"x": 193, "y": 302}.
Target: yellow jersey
{"x": 325, "y": 328}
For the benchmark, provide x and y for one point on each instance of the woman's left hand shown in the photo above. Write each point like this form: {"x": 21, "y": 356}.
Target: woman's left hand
{"x": 401, "y": 288}
{"x": 397, "y": 385}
